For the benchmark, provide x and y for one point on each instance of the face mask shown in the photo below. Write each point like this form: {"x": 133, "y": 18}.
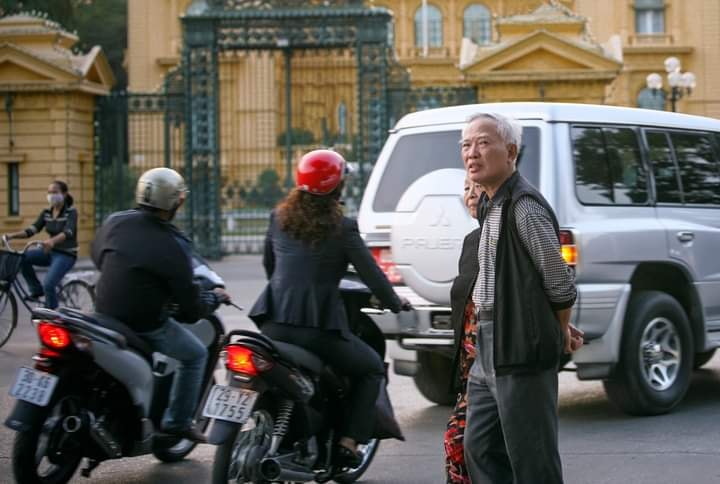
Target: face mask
{"x": 55, "y": 198}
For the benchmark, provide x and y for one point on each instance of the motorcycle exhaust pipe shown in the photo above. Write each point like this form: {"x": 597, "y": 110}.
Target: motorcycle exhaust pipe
{"x": 72, "y": 424}
{"x": 271, "y": 470}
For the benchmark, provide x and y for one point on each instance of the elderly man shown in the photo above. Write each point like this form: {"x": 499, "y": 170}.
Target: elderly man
{"x": 522, "y": 292}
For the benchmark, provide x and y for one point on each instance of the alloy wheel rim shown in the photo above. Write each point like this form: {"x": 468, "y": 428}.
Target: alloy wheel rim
{"x": 660, "y": 354}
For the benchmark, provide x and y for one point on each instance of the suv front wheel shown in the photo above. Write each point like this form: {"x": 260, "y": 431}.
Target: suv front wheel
{"x": 433, "y": 377}
{"x": 656, "y": 356}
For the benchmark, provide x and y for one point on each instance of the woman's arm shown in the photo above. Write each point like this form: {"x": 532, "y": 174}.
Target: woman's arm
{"x": 36, "y": 227}
{"x": 367, "y": 268}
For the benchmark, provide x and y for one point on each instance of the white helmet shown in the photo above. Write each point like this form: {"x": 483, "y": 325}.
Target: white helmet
{"x": 160, "y": 188}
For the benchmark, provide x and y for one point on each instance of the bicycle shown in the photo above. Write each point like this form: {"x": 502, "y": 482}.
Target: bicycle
{"x": 74, "y": 291}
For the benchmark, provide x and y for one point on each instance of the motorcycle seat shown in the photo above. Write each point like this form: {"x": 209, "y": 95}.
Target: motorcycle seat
{"x": 133, "y": 340}
{"x": 300, "y": 357}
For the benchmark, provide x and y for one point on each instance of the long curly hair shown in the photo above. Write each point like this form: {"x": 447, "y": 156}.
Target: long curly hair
{"x": 310, "y": 218}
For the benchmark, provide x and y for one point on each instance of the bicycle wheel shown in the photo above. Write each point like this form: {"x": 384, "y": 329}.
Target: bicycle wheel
{"x": 8, "y": 315}
{"x": 78, "y": 295}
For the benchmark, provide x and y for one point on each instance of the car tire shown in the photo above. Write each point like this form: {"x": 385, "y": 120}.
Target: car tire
{"x": 433, "y": 378}
{"x": 656, "y": 357}
{"x": 702, "y": 358}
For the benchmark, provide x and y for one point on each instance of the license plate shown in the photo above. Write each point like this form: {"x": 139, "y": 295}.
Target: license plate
{"x": 34, "y": 386}
{"x": 231, "y": 404}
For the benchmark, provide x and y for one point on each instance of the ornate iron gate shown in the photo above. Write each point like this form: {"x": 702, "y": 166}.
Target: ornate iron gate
{"x": 134, "y": 132}
{"x": 260, "y": 82}
{"x": 230, "y": 212}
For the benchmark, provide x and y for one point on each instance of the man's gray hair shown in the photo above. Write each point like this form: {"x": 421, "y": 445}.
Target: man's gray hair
{"x": 508, "y": 129}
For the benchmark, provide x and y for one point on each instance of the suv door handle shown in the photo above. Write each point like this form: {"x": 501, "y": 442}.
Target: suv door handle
{"x": 685, "y": 236}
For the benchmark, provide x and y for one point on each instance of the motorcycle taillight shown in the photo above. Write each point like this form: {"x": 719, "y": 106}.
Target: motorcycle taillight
{"x": 242, "y": 359}
{"x": 53, "y": 336}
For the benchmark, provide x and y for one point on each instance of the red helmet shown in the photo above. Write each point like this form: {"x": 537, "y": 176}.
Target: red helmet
{"x": 320, "y": 172}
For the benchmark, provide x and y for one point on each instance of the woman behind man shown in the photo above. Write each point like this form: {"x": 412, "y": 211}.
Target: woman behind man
{"x": 455, "y": 470}
{"x": 59, "y": 251}
{"x": 307, "y": 250}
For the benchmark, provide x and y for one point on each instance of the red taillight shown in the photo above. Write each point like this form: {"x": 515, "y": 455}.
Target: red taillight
{"x": 53, "y": 336}
{"x": 383, "y": 258}
{"x": 240, "y": 360}
{"x": 568, "y": 248}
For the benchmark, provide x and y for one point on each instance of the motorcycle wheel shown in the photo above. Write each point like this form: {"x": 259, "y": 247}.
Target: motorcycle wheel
{"x": 236, "y": 458}
{"x": 33, "y": 461}
{"x": 368, "y": 452}
{"x": 175, "y": 450}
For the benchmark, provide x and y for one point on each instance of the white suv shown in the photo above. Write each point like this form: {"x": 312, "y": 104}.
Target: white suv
{"x": 637, "y": 196}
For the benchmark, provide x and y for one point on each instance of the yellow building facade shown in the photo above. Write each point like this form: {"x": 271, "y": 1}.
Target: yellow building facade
{"x": 582, "y": 51}
{"x": 46, "y": 129}
{"x": 524, "y": 49}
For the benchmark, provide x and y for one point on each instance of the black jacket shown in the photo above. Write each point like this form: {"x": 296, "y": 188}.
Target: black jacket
{"x": 527, "y": 332}
{"x": 66, "y": 223}
{"x": 303, "y": 287}
{"x": 143, "y": 267}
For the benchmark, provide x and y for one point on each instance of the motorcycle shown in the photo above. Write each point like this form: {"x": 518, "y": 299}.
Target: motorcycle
{"x": 96, "y": 391}
{"x": 274, "y": 417}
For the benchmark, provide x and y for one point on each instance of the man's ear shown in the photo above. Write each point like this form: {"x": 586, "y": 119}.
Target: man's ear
{"x": 513, "y": 152}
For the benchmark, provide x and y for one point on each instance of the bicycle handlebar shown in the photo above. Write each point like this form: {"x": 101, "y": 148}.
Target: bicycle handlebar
{"x": 8, "y": 247}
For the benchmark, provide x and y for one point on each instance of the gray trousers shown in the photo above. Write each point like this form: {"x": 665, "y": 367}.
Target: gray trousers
{"x": 511, "y": 434}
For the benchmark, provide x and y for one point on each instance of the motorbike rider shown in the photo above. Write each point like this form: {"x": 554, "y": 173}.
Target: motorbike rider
{"x": 308, "y": 246}
{"x": 145, "y": 265}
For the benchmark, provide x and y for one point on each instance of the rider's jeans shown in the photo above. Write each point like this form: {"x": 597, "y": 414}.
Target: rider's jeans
{"x": 59, "y": 264}
{"x": 173, "y": 340}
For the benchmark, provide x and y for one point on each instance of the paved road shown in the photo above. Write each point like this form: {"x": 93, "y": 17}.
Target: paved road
{"x": 598, "y": 444}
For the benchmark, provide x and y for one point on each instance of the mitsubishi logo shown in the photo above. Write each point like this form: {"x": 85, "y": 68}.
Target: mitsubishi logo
{"x": 440, "y": 219}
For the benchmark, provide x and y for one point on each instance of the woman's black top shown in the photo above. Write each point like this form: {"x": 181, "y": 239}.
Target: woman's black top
{"x": 303, "y": 287}
{"x": 65, "y": 222}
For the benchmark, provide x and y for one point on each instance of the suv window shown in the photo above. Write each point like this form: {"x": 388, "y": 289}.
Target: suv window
{"x": 608, "y": 166}
{"x": 699, "y": 169}
{"x": 416, "y": 155}
{"x": 667, "y": 186}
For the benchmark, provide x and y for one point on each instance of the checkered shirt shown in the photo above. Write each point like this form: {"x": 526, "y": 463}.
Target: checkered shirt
{"x": 536, "y": 231}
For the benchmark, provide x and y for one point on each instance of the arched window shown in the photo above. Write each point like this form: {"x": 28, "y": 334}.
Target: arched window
{"x": 477, "y": 24}
{"x": 434, "y": 27}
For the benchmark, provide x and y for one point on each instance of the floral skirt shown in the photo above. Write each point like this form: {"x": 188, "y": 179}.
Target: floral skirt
{"x": 455, "y": 469}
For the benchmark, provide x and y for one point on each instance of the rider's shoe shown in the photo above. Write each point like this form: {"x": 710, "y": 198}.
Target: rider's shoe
{"x": 34, "y": 297}
{"x": 346, "y": 458}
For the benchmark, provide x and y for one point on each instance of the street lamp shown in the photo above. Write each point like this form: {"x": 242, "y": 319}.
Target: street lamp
{"x": 681, "y": 83}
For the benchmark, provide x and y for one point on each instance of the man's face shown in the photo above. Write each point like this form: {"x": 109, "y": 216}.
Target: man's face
{"x": 488, "y": 160}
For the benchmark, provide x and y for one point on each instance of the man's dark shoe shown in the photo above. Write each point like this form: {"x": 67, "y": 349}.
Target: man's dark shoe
{"x": 346, "y": 458}
{"x": 190, "y": 433}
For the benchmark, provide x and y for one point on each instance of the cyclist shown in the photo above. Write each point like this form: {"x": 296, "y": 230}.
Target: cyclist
{"x": 146, "y": 265}
{"x": 307, "y": 250}
{"x": 59, "y": 251}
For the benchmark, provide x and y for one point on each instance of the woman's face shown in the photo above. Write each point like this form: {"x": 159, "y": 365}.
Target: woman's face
{"x": 55, "y": 195}
{"x": 471, "y": 196}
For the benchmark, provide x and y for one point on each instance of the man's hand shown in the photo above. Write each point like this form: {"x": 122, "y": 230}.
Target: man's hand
{"x": 573, "y": 338}
{"x": 222, "y": 295}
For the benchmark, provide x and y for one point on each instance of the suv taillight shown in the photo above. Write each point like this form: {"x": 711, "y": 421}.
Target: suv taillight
{"x": 568, "y": 248}
{"x": 384, "y": 260}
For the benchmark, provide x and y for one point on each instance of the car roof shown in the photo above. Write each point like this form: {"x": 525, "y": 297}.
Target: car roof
{"x": 559, "y": 112}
